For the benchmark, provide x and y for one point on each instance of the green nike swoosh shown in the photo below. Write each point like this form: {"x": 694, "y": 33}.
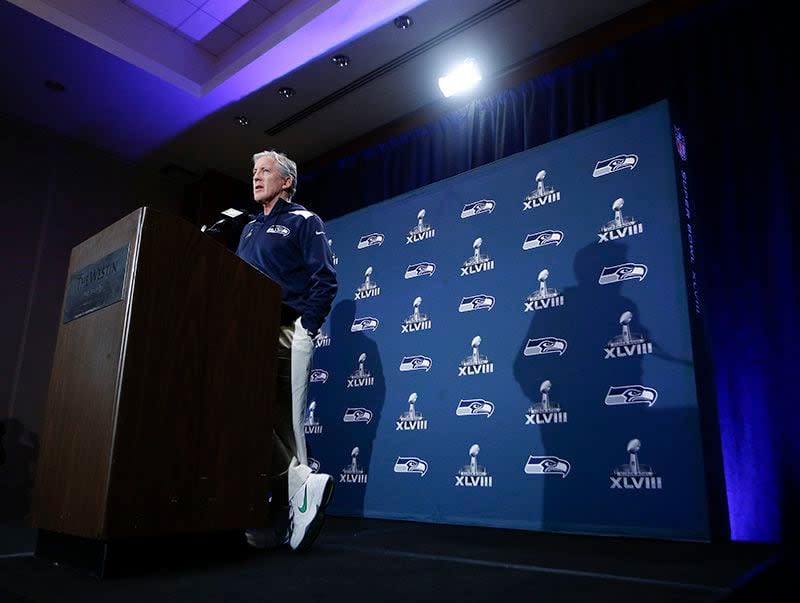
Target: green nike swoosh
{"x": 304, "y": 507}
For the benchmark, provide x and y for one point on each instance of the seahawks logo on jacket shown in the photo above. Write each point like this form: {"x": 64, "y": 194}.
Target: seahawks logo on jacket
{"x": 278, "y": 229}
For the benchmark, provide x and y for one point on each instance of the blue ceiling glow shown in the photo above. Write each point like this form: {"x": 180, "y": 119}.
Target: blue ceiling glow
{"x": 131, "y": 96}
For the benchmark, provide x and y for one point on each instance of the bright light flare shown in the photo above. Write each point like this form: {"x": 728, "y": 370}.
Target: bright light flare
{"x": 461, "y": 79}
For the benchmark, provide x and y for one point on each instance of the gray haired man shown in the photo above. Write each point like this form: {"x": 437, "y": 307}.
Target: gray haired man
{"x": 288, "y": 243}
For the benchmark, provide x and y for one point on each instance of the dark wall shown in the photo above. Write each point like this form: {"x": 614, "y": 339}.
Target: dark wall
{"x": 55, "y": 194}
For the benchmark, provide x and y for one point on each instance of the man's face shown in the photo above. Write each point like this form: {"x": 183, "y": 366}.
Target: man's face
{"x": 268, "y": 183}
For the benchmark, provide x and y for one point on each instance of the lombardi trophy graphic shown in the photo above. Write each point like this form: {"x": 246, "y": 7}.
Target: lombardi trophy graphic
{"x": 634, "y": 475}
{"x": 543, "y": 293}
{"x": 627, "y": 337}
{"x": 617, "y": 207}
{"x": 621, "y": 225}
{"x": 625, "y": 321}
{"x": 540, "y": 190}
{"x": 476, "y": 363}
{"x": 418, "y": 320}
{"x": 361, "y": 359}
{"x": 634, "y": 468}
{"x": 420, "y": 227}
{"x": 473, "y": 459}
{"x": 633, "y": 449}
{"x": 628, "y": 343}
{"x": 412, "y": 415}
{"x": 546, "y": 405}
{"x": 416, "y": 316}
{"x": 368, "y": 283}
{"x": 353, "y": 468}
{"x": 310, "y": 418}
{"x": 543, "y": 275}
{"x": 544, "y": 388}
{"x": 473, "y": 469}
{"x": 476, "y": 357}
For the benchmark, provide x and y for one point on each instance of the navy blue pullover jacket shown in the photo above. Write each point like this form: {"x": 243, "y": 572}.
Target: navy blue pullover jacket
{"x": 290, "y": 246}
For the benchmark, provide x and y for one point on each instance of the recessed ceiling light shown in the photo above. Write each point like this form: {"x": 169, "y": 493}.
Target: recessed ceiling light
{"x": 54, "y": 86}
{"x": 403, "y": 22}
{"x": 341, "y": 60}
{"x": 286, "y": 92}
{"x": 241, "y": 120}
{"x": 461, "y": 79}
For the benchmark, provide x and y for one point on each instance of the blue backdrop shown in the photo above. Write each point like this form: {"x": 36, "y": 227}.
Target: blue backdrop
{"x": 513, "y": 346}
{"x": 724, "y": 65}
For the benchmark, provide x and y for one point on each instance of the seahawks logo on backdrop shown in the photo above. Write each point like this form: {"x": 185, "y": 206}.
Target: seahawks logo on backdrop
{"x": 545, "y": 345}
{"x": 368, "y": 323}
{"x": 476, "y": 302}
{"x": 319, "y": 376}
{"x": 547, "y": 465}
{"x": 376, "y": 238}
{"x": 543, "y": 238}
{"x": 475, "y": 407}
{"x": 415, "y": 363}
{"x": 484, "y": 206}
{"x": 410, "y": 464}
{"x": 421, "y": 269}
{"x": 357, "y": 415}
{"x": 631, "y": 394}
{"x": 615, "y": 164}
{"x": 279, "y": 229}
{"x": 622, "y": 272}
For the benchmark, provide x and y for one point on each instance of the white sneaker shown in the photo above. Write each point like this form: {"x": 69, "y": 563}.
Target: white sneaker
{"x": 308, "y": 510}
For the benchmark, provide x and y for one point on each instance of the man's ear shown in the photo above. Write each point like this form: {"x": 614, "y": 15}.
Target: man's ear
{"x": 287, "y": 183}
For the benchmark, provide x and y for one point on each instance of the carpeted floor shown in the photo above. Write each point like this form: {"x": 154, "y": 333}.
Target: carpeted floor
{"x": 382, "y": 561}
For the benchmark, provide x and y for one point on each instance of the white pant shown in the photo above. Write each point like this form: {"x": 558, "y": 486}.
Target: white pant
{"x": 295, "y": 351}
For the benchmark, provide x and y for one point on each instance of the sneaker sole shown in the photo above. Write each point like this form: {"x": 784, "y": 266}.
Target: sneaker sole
{"x": 327, "y": 494}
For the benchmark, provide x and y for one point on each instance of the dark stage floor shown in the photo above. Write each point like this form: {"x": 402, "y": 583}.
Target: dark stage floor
{"x": 382, "y": 561}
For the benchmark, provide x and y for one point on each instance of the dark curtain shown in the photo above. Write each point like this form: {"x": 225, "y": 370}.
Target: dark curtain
{"x": 727, "y": 69}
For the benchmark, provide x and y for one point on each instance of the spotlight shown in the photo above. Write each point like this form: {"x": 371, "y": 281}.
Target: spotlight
{"x": 403, "y": 22}
{"x": 286, "y": 92}
{"x": 462, "y": 78}
{"x": 241, "y": 120}
{"x": 341, "y": 60}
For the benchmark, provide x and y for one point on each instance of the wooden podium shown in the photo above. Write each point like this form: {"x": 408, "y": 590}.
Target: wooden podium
{"x": 159, "y": 410}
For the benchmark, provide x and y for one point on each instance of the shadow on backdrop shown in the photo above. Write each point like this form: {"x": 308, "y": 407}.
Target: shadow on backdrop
{"x": 590, "y": 317}
{"x": 350, "y": 415}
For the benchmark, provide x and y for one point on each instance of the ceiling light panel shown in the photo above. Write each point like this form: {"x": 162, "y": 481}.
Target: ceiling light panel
{"x": 170, "y": 12}
{"x": 219, "y": 40}
{"x": 222, "y": 9}
{"x": 273, "y": 6}
{"x": 199, "y": 25}
{"x": 248, "y": 17}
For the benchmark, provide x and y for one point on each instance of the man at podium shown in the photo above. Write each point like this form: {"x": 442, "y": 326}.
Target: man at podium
{"x": 288, "y": 243}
